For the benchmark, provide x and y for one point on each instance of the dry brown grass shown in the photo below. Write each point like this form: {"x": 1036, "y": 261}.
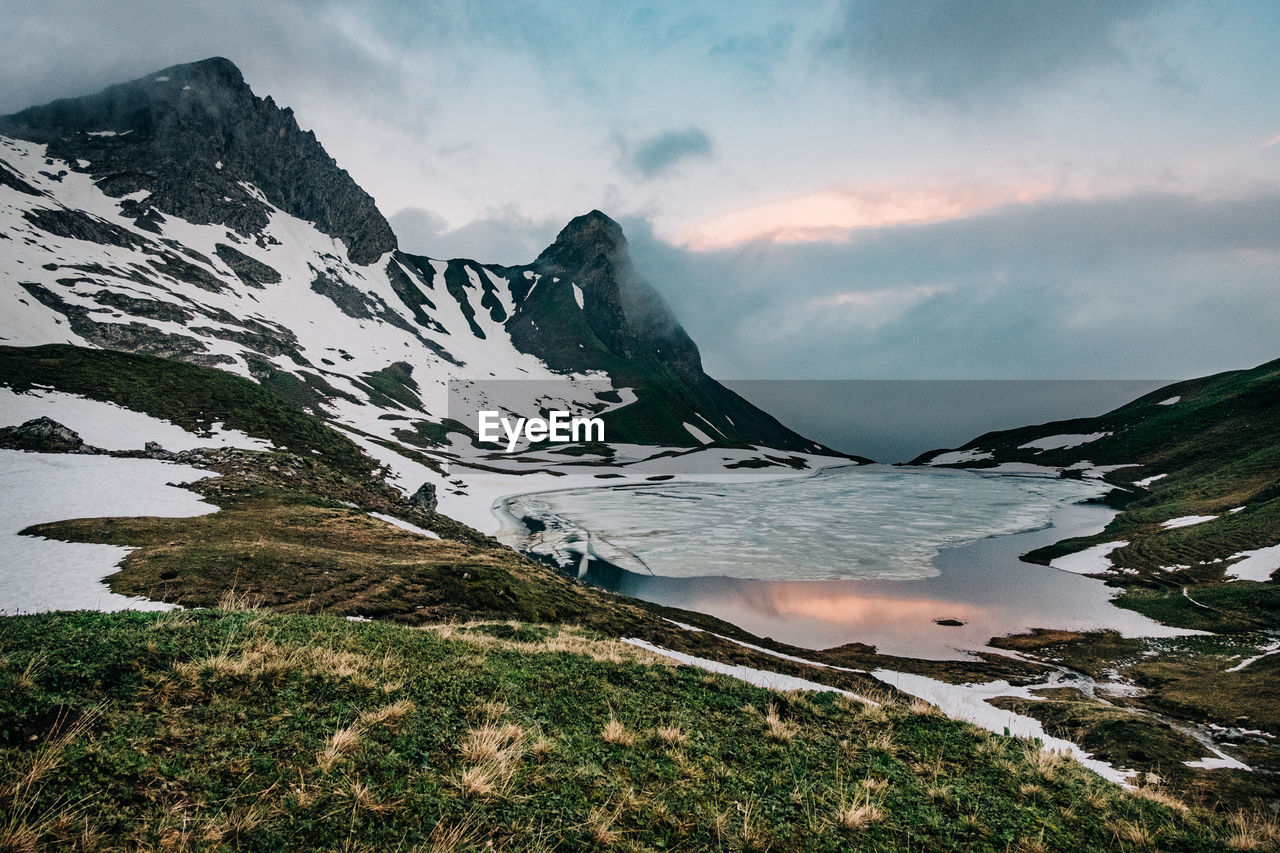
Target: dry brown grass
{"x": 883, "y": 741}
{"x": 387, "y": 713}
{"x": 23, "y": 824}
{"x": 233, "y": 599}
{"x": 1131, "y": 833}
{"x": 1032, "y": 845}
{"x": 874, "y": 784}
{"x": 1161, "y": 796}
{"x": 779, "y": 730}
{"x": 858, "y": 813}
{"x": 365, "y": 799}
{"x": 27, "y": 679}
{"x": 923, "y": 708}
{"x": 236, "y": 820}
{"x": 672, "y": 735}
{"x": 1253, "y": 831}
{"x": 341, "y": 742}
{"x": 568, "y": 638}
{"x": 1045, "y": 763}
{"x": 452, "y": 837}
{"x": 600, "y": 825}
{"x": 616, "y": 733}
{"x": 263, "y": 659}
{"x": 488, "y": 741}
{"x": 495, "y": 751}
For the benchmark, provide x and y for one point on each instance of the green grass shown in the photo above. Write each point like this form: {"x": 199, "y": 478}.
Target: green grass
{"x": 255, "y": 731}
{"x": 189, "y": 395}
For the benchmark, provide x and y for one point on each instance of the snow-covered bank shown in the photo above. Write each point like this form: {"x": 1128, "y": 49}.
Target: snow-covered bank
{"x": 39, "y": 574}
{"x": 965, "y": 702}
{"x": 758, "y": 677}
{"x": 968, "y": 702}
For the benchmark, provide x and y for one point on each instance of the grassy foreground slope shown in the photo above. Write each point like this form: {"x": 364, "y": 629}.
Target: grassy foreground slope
{"x": 204, "y": 730}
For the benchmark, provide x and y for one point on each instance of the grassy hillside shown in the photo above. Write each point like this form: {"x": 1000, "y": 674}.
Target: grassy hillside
{"x": 189, "y": 395}
{"x": 213, "y": 730}
{"x": 1214, "y": 444}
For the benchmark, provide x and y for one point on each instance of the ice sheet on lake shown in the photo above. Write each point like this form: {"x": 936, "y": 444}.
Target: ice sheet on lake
{"x": 866, "y": 522}
{"x": 39, "y": 574}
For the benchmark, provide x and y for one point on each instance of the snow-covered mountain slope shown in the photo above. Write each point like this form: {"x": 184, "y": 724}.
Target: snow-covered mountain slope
{"x": 180, "y": 215}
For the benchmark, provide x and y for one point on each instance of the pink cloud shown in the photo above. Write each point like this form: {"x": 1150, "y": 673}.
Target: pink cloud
{"x": 833, "y": 214}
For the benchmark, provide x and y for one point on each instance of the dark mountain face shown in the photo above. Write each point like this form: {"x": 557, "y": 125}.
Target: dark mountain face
{"x": 625, "y": 327}
{"x": 189, "y": 135}
{"x": 623, "y": 310}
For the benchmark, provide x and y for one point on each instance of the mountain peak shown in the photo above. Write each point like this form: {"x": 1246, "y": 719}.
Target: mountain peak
{"x": 192, "y": 136}
{"x": 584, "y": 240}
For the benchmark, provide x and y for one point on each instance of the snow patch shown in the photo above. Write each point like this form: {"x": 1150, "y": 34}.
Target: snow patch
{"x": 1218, "y": 761}
{"x": 968, "y": 702}
{"x": 956, "y": 457}
{"x": 1143, "y": 483}
{"x": 698, "y": 434}
{"x": 1062, "y": 442}
{"x": 1257, "y": 564}
{"x": 1186, "y": 521}
{"x": 1170, "y": 401}
{"x": 757, "y": 677}
{"x": 1089, "y": 561}
{"x": 1271, "y": 649}
{"x": 404, "y": 525}
{"x": 577, "y": 295}
{"x": 38, "y": 574}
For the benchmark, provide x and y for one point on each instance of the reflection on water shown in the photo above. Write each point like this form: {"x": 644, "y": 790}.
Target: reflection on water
{"x": 981, "y": 584}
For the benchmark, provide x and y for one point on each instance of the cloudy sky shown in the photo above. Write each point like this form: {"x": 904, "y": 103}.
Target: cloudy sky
{"x": 867, "y": 189}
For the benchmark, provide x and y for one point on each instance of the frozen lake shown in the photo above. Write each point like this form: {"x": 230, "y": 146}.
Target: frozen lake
{"x": 871, "y": 554}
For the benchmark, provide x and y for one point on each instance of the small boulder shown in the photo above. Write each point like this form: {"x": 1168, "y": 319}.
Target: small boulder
{"x": 425, "y": 498}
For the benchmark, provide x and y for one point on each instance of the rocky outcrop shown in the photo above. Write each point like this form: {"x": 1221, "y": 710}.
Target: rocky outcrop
{"x": 425, "y": 498}
{"x": 44, "y": 435}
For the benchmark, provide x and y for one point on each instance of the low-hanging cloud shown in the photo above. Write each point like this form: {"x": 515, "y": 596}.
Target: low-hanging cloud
{"x": 1134, "y": 286}
{"x": 503, "y": 236}
{"x": 659, "y": 154}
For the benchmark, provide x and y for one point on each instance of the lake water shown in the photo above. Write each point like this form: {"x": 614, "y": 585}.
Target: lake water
{"x": 872, "y": 554}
